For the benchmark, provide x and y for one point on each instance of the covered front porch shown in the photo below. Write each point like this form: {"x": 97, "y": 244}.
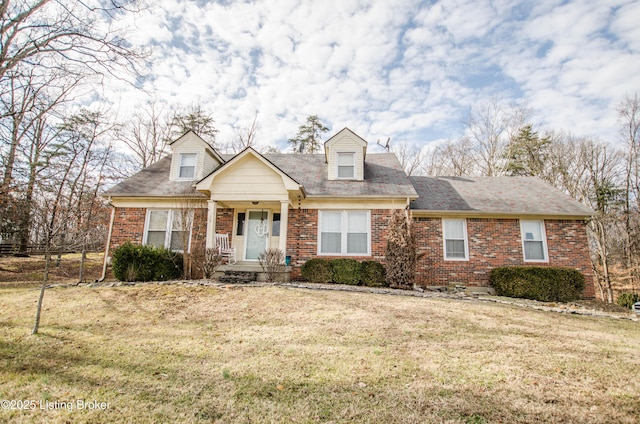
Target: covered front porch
{"x": 251, "y": 228}
{"x": 249, "y": 200}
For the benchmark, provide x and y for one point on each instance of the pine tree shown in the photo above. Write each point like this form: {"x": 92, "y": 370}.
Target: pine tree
{"x": 309, "y": 135}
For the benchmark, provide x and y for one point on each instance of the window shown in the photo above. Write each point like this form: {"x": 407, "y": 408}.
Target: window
{"x": 240, "y": 224}
{"x": 344, "y": 233}
{"x": 187, "y": 165}
{"x": 346, "y": 165}
{"x": 534, "y": 243}
{"x": 455, "y": 239}
{"x": 165, "y": 229}
{"x": 275, "y": 226}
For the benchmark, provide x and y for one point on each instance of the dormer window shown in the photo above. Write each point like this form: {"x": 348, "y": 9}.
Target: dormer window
{"x": 346, "y": 165}
{"x": 187, "y": 166}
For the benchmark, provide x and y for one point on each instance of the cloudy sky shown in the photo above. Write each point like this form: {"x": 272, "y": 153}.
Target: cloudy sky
{"x": 406, "y": 69}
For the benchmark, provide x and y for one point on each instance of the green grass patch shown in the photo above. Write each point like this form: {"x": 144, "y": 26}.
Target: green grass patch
{"x": 158, "y": 353}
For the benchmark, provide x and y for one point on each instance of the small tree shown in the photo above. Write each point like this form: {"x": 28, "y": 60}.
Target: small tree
{"x": 272, "y": 263}
{"x": 212, "y": 260}
{"x": 309, "y": 135}
{"x": 401, "y": 251}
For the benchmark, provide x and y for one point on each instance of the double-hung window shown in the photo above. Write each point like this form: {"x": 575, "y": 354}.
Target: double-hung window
{"x": 344, "y": 233}
{"x": 534, "y": 241}
{"x": 187, "y": 165}
{"x": 168, "y": 228}
{"x": 346, "y": 165}
{"x": 456, "y": 246}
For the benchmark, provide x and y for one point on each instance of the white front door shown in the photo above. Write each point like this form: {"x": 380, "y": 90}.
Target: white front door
{"x": 257, "y": 234}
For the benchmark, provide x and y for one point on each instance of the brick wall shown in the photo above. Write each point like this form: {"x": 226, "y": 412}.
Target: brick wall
{"x": 128, "y": 225}
{"x": 302, "y": 237}
{"x": 497, "y": 242}
{"x": 224, "y": 222}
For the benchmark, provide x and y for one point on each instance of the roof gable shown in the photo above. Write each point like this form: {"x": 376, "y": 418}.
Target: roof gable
{"x": 353, "y": 149}
{"x": 190, "y": 137}
{"x": 249, "y": 173}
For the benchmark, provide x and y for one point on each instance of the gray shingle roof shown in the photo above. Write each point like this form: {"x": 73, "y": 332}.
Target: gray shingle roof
{"x": 153, "y": 181}
{"x": 383, "y": 177}
{"x": 500, "y": 195}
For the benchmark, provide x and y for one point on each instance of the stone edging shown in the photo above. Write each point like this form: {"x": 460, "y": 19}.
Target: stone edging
{"x": 456, "y": 295}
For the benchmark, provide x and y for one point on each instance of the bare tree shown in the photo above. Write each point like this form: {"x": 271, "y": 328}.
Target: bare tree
{"x": 410, "y": 157}
{"x": 244, "y": 137}
{"x": 489, "y": 130}
{"x": 146, "y": 134}
{"x": 72, "y": 35}
{"x": 629, "y": 117}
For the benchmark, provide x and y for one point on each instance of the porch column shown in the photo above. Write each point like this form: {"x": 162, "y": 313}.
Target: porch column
{"x": 284, "y": 215}
{"x": 211, "y": 223}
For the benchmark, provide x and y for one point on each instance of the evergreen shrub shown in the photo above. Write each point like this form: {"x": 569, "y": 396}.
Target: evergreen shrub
{"x": 316, "y": 270}
{"x": 345, "y": 271}
{"x": 547, "y": 284}
{"x": 135, "y": 262}
{"x": 372, "y": 274}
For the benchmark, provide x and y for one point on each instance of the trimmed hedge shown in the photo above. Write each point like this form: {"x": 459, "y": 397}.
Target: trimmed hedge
{"x": 345, "y": 271}
{"x": 547, "y": 284}
{"x": 316, "y": 270}
{"x": 135, "y": 262}
{"x": 627, "y": 299}
{"x": 372, "y": 274}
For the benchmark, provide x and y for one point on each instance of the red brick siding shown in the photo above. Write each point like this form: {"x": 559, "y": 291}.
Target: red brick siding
{"x": 128, "y": 225}
{"x": 497, "y": 242}
{"x": 199, "y": 228}
{"x": 302, "y": 234}
{"x": 224, "y": 222}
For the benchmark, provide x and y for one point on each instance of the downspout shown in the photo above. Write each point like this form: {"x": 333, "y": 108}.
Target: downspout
{"x": 106, "y": 248}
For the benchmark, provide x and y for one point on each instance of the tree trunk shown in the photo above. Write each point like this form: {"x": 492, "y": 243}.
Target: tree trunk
{"x": 45, "y": 281}
{"x": 83, "y": 256}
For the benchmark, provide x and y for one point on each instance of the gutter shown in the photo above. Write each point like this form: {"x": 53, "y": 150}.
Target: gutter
{"x": 108, "y": 244}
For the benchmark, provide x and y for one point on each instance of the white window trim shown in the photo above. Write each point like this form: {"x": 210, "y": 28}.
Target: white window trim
{"x": 544, "y": 241}
{"x": 353, "y": 155}
{"x": 343, "y": 233}
{"x": 466, "y": 239}
{"x": 167, "y": 234}
{"x": 195, "y": 167}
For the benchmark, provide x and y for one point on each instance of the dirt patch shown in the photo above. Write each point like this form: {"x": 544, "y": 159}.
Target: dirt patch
{"x": 18, "y": 271}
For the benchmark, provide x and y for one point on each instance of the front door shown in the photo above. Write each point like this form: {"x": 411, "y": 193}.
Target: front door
{"x": 257, "y": 234}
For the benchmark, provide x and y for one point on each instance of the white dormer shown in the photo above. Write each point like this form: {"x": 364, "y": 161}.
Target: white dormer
{"x": 192, "y": 159}
{"x": 345, "y": 153}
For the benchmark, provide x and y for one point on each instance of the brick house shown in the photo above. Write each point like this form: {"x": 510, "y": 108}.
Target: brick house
{"x": 338, "y": 204}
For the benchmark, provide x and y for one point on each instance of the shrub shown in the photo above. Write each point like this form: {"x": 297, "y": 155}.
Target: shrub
{"x": 272, "y": 263}
{"x": 316, "y": 270}
{"x": 372, "y": 274}
{"x": 547, "y": 284}
{"x": 345, "y": 271}
{"x": 401, "y": 253}
{"x": 627, "y": 299}
{"x": 134, "y": 262}
{"x": 212, "y": 260}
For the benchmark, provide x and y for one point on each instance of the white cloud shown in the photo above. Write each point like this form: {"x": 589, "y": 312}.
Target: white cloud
{"x": 404, "y": 68}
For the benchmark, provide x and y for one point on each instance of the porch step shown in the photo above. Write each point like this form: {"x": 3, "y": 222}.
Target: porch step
{"x": 235, "y": 277}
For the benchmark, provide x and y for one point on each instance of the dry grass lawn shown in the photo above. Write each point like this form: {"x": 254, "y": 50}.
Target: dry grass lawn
{"x": 158, "y": 353}
{"x": 29, "y": 271}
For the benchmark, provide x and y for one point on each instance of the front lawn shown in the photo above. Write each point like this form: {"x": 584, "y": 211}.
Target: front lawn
{"x": 167, "y": 353}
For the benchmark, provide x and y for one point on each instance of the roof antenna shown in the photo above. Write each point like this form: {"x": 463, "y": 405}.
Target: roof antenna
{"x": 385, "y": 145}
